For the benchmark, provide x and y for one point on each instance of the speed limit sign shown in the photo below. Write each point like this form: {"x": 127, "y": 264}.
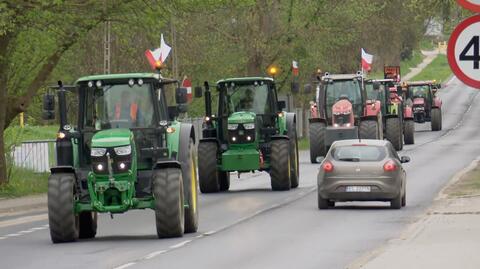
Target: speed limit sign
{"x": 473, "y": 5}
{"x": 464, "y": 51}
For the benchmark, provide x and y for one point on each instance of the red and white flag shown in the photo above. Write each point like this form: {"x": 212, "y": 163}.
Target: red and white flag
{"x": 187, "y": 83}
{"x": 157, "y": 57}
{"x": 367, "y": 60}
{"x": 295, "y": 68}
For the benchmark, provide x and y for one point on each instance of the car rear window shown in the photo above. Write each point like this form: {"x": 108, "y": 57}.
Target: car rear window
{"x": 359, "y": 153}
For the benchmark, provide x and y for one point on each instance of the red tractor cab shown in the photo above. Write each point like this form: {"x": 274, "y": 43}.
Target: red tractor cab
{"x": 426, "y": 105}
{"x": 341, "y": 110}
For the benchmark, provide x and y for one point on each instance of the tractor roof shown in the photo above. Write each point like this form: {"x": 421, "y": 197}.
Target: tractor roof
{"x": 126, "y": 76}
{"x": 245, "y": 79}
{"x": 419, "y": 83}
{"x": 341, "y": 76}
{"x": 383, "y": 80}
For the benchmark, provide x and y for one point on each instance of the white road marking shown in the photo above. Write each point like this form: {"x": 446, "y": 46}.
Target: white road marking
{"x": 26, "y": 232}
{"x": 209, "y": 233}
{"x": 2, "y": 238}
{"x": 181, "y": 244}
{"x": 12, "y": 235}
{"x": 23, "y": 220}
{"x": 125, "y": 265}
{"x": 154, "y": 254}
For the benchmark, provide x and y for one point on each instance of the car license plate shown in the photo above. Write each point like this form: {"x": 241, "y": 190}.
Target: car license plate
{"x": 357, "y": 189}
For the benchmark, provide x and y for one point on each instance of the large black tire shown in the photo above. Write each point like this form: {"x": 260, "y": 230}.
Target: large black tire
{"x": 87, "y": 225}
{"x": 436, "y": 114}
{"x": 396, "y": 203}
{"x": 280, "y": 165}
{"x": 369, "y": 130}
{"x": 208, "y": 175}
{"x": 294, "y": 163}
{"x": 189, "y": 176}
{"x": 169, "y": 202}
{"x": 317, "y": 132}
{"x": 394, "y": 132}
{"x": 224, "y": 177}
{"x": 409, "y": 132}
{"x": 62, "y": 220}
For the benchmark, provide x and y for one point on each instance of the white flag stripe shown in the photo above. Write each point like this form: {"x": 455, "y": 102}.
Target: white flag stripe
{"x": 367, "y": 57}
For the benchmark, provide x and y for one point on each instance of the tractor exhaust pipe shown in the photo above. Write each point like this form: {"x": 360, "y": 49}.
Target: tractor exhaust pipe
{"x": 208, "y": 100}
{"x": 62, "y": 105}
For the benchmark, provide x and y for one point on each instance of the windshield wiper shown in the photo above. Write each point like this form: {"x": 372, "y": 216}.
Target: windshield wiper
{"x": 349, "y": 159}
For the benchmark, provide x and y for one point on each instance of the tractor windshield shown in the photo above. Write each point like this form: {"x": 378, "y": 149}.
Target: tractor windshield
{"x": 375, "y": 94}
{"x": 419, "y": 91}
{"x": 248, "y": 97}
{"x": 343, "y": 89}
{"x": 119, "y": 106}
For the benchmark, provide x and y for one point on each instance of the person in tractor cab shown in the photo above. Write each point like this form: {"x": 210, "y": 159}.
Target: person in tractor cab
{"x": 246, "y": 103}
{"x": 394, "y": 97}
{"x": 126, "y": 109}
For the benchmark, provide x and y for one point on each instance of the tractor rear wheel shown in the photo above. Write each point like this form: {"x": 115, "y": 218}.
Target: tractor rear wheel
{"x": 189, "y": 175}
{"x": 409, "y": 132}
{"x": 294, "y": 162}
{"x": 369, "y": 130}
{"x": 317, "y": 132}
{"x": 208, "y": 175}
{"x": 280, "y": 165}
{"x": 62, "y": 220}
{"x": 87, "y": 224}
{"x": 436, "y": 115}
{"x": 224, "y": 177}
{"x": 394, "y": 132}
{"x": 169, "y": 202}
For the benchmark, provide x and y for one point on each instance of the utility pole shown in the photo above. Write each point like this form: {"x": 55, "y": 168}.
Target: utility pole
{"x": 106, "y": 43}
{"x": 174, "y": 48}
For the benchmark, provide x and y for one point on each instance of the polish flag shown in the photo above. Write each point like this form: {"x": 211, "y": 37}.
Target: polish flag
{"x": 157, "y": 57}
{"x": 295, "y": 68}
{"x": 187, "y": 83}
{"x": 367, "y": 60}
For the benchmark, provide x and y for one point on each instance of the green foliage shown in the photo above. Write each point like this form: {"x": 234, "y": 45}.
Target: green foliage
{"x": 438, "y": 69}
{"x": 24, "y": 182}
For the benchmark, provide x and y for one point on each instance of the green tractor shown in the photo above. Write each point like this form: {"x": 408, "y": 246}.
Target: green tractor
{"x": 250, "y": 132}
{"x": 126, "y": 152}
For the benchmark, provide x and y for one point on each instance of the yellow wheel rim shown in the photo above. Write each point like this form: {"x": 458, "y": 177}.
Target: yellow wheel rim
{"x": 193, "y": 182}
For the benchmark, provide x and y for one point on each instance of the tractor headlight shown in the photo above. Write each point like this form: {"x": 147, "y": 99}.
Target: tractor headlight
{"x": 98, "y": 152}
{"x": 249, "y": 126}
{"x": 232, "y": 127}
{"x": 125, "y": 150}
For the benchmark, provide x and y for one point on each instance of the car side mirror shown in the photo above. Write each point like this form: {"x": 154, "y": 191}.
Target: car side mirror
{"x": 404, "y": 159}
{"x": 48, "y": 112}
{"x": 181, "y": 95}
{"x": 295, "y": 87}
{"x": 281, "y": 105}
{"x": 172, "y": 113}
{"x": 307, "y": 88}
{"x": 198, "y": 92}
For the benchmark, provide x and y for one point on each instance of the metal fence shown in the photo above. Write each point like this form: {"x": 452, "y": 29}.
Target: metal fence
{"x": 37, "y": 156}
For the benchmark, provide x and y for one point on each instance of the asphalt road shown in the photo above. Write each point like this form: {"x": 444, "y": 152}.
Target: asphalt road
{"x": 253, "y": 227}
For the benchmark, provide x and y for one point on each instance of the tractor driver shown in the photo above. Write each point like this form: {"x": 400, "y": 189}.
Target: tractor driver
{"x": 246, "y": 103}
{"x": 126, "y": 109}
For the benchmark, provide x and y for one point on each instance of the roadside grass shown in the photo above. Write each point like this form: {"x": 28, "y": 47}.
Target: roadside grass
{"x": 303, "y": 144}
{"x": 405, "y": 65}
{"x": 24, "y": 182}
{"x": 15, "y": 135}
{"x": 467, "y": 185}
{"x": 438, "y": 69}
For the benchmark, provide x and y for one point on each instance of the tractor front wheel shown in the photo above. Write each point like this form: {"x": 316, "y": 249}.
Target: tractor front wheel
{"x": 208, "y": 175}
{"x": 436, "y": 114}
{"x": 317, "y": 132}
{"x": 369, "y": 130}
{"x": 280, "y": 165}
{"x": 409, "y": 132}
{"x": 87, "y": 224}
{"x": 394, "y": 132}
{"x": 62, "y": 220}
{"x": 169, "y": 202}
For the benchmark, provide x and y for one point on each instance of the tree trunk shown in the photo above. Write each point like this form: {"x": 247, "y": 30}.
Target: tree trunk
{"x": 4, "y": 41}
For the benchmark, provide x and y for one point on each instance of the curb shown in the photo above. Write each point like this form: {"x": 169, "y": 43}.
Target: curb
{"x": 15, "y": 206}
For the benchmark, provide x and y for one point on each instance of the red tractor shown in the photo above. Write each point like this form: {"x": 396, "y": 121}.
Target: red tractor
{"x": 398, "y": 121}
{"x": 426, "y": 105}
{"x": 341, "y": 110}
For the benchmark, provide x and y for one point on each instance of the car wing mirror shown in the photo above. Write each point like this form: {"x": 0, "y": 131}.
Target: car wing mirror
{"x": 404, "y": 159}
{"x": 281, "y": 105}
{"x": 198, "y": 92}
{"x": 181, "y": 95}
{"x": 48, "y": 112}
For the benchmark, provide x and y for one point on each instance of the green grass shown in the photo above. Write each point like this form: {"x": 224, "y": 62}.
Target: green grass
{"x": 15, "y": 135}
{"x": 438, "y": 69}
{"x": 469, "y": 184}
{"x": 24, "y": 182}
{"x": 303, "y": 144}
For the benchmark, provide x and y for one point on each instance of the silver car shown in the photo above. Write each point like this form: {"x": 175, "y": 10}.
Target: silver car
{"x": 362, "y": 170}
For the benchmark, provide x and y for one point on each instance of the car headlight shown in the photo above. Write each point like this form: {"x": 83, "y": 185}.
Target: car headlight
{"x": 249, "y": 126}
{"x": 125, "y": 150}
{"x": 98, "y": 152}
{"x": 232, "y": 127}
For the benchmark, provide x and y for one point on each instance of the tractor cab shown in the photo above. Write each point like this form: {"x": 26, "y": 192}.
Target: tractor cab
{"x": 425, "y": 102}
{"x": 124, "y": 148}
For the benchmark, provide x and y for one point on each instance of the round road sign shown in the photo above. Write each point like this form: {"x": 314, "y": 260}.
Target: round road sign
{"x": 464, "y": 51}
{"x": 473, "y": 5}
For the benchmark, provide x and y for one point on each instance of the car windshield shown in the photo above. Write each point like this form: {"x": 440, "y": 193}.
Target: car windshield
{"x": 248, "y": 97}
{"x": 338, "y": 89}
{"x": 359, "y": 153}
{"x": 419, "y": 91}
{"x": 119, "y": 106}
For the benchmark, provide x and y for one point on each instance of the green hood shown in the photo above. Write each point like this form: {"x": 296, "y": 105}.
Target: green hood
{"x": 242, "y": 117}
{"x": 111, "y": 138}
